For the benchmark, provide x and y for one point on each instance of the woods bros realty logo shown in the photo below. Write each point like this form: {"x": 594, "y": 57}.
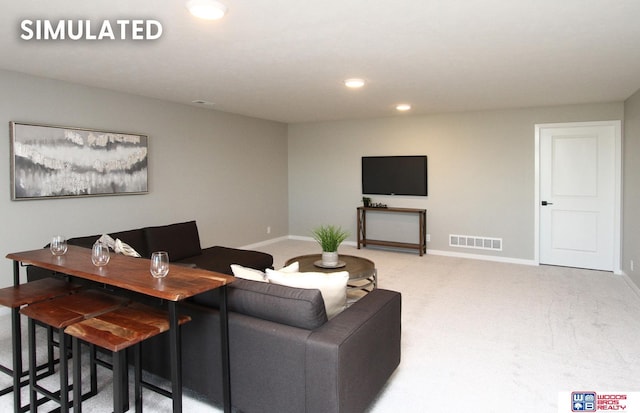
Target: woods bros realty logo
{"x": 121, "y": 29}
{"x": 590, "y": 401}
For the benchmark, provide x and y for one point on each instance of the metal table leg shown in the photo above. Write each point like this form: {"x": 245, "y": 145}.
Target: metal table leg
{"x": 16, "y": 344}
{"x": 224, "y": 346}
{"x": 176, "y": 358}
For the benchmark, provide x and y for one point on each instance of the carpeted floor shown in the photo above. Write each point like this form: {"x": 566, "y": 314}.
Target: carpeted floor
{"x": 479, "y": 336}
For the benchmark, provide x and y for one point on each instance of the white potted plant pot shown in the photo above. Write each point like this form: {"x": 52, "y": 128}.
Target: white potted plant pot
{"x": 330, "y": 259}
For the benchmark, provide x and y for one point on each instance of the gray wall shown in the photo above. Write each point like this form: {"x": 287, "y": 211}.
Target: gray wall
{"x": 237, "y": 175}
{"x": 631, "y": 182}
{"x": 481, "y": 173}
{"x": 227, "y": 172}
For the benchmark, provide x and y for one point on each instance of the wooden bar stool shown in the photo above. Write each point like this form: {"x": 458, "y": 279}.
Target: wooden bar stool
{"x": 116, "y": 331}
{"x": 16, "y": 297}
{"x": 59, "y": 313}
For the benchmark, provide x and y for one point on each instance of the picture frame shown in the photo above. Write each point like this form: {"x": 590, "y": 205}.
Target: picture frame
{"x": 65, "y": 162}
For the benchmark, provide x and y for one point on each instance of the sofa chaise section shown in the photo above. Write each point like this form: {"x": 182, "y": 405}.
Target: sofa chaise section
{"x": 315, "y": 367}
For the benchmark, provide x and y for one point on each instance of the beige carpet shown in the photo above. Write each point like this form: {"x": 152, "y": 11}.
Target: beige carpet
{"x": 481, "y": 336}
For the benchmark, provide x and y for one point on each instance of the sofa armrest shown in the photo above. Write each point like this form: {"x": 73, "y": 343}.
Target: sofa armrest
{"x": 356, "y": 351}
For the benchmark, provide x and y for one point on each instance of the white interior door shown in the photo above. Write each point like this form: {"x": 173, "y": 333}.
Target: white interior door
{"x": 578, "y": 189}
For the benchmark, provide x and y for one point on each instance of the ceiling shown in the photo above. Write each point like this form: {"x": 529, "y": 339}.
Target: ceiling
{"x": 285, "y": 60}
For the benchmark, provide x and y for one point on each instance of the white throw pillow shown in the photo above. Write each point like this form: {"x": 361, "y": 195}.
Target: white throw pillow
{"x": 332, "y": 286}
{"x": 247, "y": 273}
{"x": 293, "y": 267}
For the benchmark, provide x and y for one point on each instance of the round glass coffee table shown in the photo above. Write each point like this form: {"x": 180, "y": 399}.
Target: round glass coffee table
{"x": 362, "y": 272}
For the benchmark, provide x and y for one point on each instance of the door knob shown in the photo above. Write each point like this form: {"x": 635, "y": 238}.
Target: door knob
{"x": 545, "y": 203}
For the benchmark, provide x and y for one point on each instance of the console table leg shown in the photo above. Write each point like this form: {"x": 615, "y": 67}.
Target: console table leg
{"x": 176, "y": 359}
{"x": 16, "y": 345}
{"x": 363, "y": 228}
{"x": 423, "y": 235}
{"x": 359, "y": 226}
{"x": 224, "y": 345}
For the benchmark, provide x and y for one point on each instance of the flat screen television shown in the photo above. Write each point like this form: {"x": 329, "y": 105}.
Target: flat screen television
{"x": 394, "y": 175}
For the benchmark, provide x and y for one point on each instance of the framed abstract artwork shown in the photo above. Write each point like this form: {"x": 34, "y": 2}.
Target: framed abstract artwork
{"x": 60, "y": 162}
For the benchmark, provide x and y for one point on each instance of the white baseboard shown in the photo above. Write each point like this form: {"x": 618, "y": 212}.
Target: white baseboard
{"x": 310, "y": 239}
{"x": 301, "y": 238}
{"x": 482, "y": 257}
{"x": 263, "y": 243}
{"x": 635, "y": 288}
{"x": 443, "y": 253}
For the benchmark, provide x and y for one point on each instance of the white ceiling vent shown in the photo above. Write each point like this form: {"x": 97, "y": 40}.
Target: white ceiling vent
{"x": 468, "y": 241}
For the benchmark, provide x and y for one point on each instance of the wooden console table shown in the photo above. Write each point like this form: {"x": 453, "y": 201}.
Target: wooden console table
{"x": 421, "y": 246}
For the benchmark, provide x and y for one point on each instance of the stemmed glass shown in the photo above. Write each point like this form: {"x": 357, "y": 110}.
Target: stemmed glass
{"x": 159, "y": 266}
{"x": 58, "y": 245}
{"x": 100, "y": 254}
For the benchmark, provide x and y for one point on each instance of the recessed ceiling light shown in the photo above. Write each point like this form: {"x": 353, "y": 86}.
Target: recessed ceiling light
{"x": 202, "y": 102}
{"x": 403, "y": 107}
{"x": 354, "y": 83}
{"x": 207, "y": 9}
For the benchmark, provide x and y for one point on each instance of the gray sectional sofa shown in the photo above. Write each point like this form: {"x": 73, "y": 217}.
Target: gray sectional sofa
{"x": 285, "y": 355}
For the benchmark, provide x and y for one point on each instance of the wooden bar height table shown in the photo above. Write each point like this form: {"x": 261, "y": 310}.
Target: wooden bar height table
{"x": 133, "y": 274}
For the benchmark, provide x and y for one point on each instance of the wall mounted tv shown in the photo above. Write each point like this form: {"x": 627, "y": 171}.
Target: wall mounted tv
{"x": 394, "y": 175}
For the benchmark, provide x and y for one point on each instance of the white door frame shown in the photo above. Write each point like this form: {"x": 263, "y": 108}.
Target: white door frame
{"x": 617, "y": 225}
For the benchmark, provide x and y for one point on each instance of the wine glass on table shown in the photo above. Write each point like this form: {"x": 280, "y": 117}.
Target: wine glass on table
{"x": 58, "y": 245}
{"x": 100, "y": 254}
{"x": 159, "y": 266}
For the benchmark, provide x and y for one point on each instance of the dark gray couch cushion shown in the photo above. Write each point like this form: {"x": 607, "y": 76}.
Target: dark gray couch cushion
{"x": 179, "y": 240}
{"x": 219, "y": 259}
{"x": 86, "y": 242}
{"x": 135, "y": 239}
{"x": 296, "y": 307}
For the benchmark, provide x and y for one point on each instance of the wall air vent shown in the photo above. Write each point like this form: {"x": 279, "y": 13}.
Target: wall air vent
{"x": 468, "y": 241}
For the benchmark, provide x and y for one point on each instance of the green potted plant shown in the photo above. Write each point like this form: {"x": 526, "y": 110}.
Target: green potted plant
{"x": 366, "y": 201}
{"x": 329, "y": 237}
